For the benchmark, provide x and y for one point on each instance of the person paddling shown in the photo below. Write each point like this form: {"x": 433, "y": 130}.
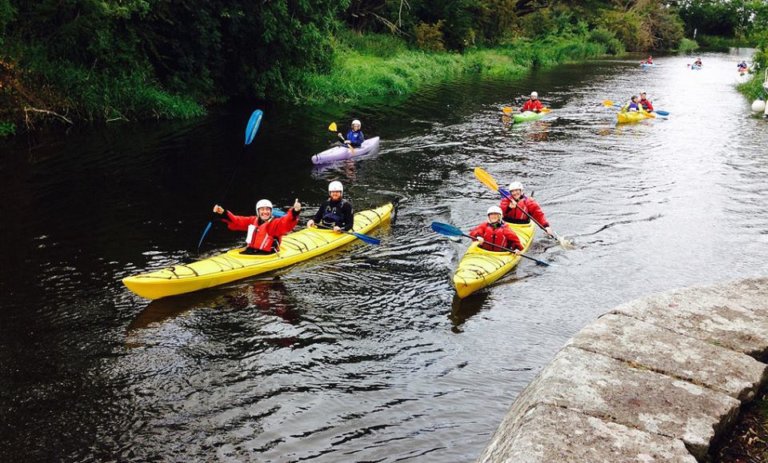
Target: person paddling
{"x": 533, "y": 104}
{"x": 496, "y": 232}
{"x": 633, "y": 105}
{"x": 335, "y": 213}
{"x": 515, "y": 209}
{"x": 264, "y": 230}
{"x": 645, "y": 103}
{"x": 355, "y": 137}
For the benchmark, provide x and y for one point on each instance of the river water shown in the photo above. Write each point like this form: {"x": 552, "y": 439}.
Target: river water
{"x": 363, "y": 354}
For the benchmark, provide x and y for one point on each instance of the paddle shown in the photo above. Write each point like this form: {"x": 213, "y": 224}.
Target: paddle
{"x": 450, "y": 230}
{"x": 360, "y": 236}
{"x": 609, "y": 103}
{"x": 250, "y": 132}
{"x": 332, "y": 127}
{"x": 487, "y": 180}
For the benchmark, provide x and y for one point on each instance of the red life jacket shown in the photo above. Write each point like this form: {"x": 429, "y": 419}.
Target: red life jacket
{"x": 266, "y": 237}
{"x": 532, "y": 105}
{"x": 499, "y": 234}
{"x": 515, "y": 215}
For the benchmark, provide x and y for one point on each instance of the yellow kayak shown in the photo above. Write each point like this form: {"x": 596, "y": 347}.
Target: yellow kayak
{"x": 480, "y": 268}
{"x": 626, "y": 117}
{"x": 230, "y": 266}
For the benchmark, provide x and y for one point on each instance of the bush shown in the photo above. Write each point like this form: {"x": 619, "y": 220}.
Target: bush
{"x": 687, "y": 46}
{"x": 605, "y": 37}
{"x": 7, "y": 128}
{"x": 430, "y": 36}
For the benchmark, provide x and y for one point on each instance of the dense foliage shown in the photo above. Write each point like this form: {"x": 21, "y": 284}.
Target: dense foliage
{"x": 124, "y": 59}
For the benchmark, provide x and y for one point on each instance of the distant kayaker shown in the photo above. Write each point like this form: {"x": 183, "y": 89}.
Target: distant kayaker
{"x": 496, "y": 232}
{"x": 355, "y": 136}
{"x": 633, "y": 105}
{"x": 513, "y": 209}
{"x": 533, "y": 104}
{"x": 697, "y": 62}
{"x": 645, "y": 103}
{"x": 743, "y": 66}
{"x": 264, "y": 230}
{"x": 649, "y": 60}
{"x": 335, "y": 213}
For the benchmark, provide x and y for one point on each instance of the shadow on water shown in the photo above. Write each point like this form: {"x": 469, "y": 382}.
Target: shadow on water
{"x": 268, "y": 297}
{"x": 464, "y": 309}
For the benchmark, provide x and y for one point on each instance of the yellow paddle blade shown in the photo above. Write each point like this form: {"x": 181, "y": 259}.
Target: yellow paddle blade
{"x": 545, "y": 110}
{"x": 486, "y": 179}
{"x": 608, "y": 103}
{"x": 506, "y": 110}
{"x": 332, "y": 127}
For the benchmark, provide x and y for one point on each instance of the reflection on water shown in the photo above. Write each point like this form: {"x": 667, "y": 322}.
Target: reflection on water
{"x": 363, "y": 354}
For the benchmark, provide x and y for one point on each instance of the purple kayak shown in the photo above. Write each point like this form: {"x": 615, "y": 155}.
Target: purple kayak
{"x": 339, "y": 153}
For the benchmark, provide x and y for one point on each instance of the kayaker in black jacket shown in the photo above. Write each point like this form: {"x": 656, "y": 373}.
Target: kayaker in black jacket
{"x": 335, "y": 213}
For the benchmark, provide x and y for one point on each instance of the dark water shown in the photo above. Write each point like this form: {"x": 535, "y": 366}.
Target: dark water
{"x": 363, "y": 354}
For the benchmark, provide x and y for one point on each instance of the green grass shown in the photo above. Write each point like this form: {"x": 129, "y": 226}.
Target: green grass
{"x": 367, "y": 67}
{"x": 753, "y": 88}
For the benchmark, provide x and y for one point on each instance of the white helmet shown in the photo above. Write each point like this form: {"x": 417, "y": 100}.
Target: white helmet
{"x": 493, "y": 210}
{"x": 357, "y": 122}
{"x": 534, "y": 94}
{"x": 335, "y": 186}
{"x": 263, "y": 203}
{"x": 515, "y": 186}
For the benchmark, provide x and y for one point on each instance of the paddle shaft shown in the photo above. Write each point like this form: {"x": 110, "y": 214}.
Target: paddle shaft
{"x": 360, "y": 236}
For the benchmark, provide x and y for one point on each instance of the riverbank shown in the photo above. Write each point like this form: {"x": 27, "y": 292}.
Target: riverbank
{"x": 364, "y": 67}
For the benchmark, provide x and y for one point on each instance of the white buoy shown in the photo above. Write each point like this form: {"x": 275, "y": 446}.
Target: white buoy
{"x": 758, "y": 106}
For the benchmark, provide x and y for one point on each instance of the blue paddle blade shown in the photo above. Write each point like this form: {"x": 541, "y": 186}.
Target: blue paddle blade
{"x": 366, "y": 238}
{"x": 662, "y": 113}
{"x": 446, "y": 229}
{"x": 253, "y": 126}
{"x": 278, "y": 212}
{"x": 202, "y": 237}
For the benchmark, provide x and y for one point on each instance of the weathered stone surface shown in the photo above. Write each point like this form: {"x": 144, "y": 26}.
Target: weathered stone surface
{"x": 550, "y": 434}
{"x": 649, "y": 346}
{"x": 612, "y": 390}
{"x": 653, "y": 373}
{"x": 733, "y": 315}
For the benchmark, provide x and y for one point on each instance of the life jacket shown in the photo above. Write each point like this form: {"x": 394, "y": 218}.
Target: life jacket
{"x": 333, "y": 213}
{"x": 262, "y": 235}
{"x": 515, "y": 215}
{"x": 259, "y": 238}
{"x": 498, "y": 234}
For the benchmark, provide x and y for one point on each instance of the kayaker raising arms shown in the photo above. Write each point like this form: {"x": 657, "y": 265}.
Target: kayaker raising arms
{"x": 515, "y": 209}
{"x": 334, "y": 213}
{"x": 355, "y": 136}
{"x": 533, "y": 104}
{"x": 496, "y": 232}
{"x": 645, "y": 103}
{"x": 264, "y": 230}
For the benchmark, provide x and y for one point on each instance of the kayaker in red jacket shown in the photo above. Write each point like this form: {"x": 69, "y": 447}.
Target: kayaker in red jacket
{"x": 645, "y": 102}
{"x": 512, "y": 208}
{"x": 264, "y": 230}
{"x": 496, "y": 232}
{"x": 533, "y": 104}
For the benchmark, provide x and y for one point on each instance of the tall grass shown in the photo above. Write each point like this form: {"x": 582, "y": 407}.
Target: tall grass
{"x": 687, "y": 46}
{"x": 375, "y": 66}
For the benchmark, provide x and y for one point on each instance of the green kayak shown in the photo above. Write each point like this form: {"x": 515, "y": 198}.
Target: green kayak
{"x": 526, "y": 116}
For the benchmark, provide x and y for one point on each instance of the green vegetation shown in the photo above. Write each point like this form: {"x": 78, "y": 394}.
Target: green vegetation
{"x": 687, "y": 46}
{"x": 364, "y": 68}
{"x": 104, "y": 60}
